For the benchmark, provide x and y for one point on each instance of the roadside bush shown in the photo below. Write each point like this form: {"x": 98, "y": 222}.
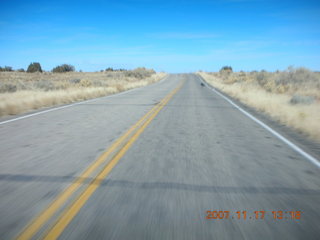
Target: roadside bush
{"x": 63, "y": 68}
{"x": 85, "y": 83}
{"x": 262, "y": 78}
{"x": 75, "y": 81}
{"x": 297, "y": 99}
{"x": 139, "y": 73}
{"x": 20, "y": 70}
{"x": 34, "y": 67}
{"x": 8, "y": 87}
{"x": 45, "y": 85}
{"x": 297, "y": 76}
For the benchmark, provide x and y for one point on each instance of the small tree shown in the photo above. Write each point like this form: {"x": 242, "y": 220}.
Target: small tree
{"x": 63, "y": 68}
{"x": 227, "y": 69}
{"x": 6, "y": 69}
{"x": 34, "y": 67}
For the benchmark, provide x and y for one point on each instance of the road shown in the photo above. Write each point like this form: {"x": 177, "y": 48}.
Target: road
{"x": 149, "y": 164}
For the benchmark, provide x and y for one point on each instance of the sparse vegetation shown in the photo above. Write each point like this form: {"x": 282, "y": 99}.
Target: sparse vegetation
{"x": 6, "y": 69}
{"x": 140, "y": 73}
{"x": 34, "y": 67}
{"x": 21, "y": 91}
{"x": 291, "y": 96}
{"x": 63, "y": 68}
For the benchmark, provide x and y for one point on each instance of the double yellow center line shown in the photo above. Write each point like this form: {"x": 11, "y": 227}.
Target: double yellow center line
{"x": 118, "y": 148}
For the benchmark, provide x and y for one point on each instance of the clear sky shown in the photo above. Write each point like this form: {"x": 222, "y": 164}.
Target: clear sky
{"x": 172, "y": 36}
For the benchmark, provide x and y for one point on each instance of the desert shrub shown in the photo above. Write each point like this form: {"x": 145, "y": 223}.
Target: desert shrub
{"x": 63, "y": 68}
{"x": 109, "y": 69}
{"x": 34, "y": 67}
{"x": 62, "y": 85}
{"x": 85, "y": 83}
{"x": 301, "y": 75}
{"x": 139, "y": 73}
{"x": 111, "y": 75}
{"x": 45, "y": 85}
{"x": 120, "y": 88}
{"x": 20, "y": 70}
{"x": 242, "y": 76}
{"x": 262, "y": 78}
{"x": 297, "y": 99}
{"x": 75, "y": 81}
{"x": 8, "y": 87}
{"x": 297, "y": 79}
{"x": 98, "y": 83}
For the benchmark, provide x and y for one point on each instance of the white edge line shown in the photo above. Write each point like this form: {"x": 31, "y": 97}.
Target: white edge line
{"x": 74, "y": 104}
{"x": 278, "y": 135}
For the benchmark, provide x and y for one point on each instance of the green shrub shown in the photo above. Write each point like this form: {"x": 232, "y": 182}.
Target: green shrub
{"x": 63, "y": 68}
{"x": 227, "y": 69}
{"x": 6, "y": 69}
{"x": 34, "y": 67}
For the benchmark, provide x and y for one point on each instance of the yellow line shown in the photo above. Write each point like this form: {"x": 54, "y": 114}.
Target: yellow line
{"x": 66, "y": 217}
{"x": 44, "y": 216}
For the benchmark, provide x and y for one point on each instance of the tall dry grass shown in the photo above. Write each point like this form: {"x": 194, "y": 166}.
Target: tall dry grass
{"x": 21, "y": 92}
{"x": 292, "y": 97}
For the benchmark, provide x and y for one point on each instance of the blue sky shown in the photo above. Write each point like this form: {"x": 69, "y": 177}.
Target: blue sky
{"x": 172, "y": 36}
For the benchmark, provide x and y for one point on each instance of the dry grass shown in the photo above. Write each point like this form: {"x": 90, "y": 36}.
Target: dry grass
{"x": 292, "y": 97}
{"x": 21, "y": 92}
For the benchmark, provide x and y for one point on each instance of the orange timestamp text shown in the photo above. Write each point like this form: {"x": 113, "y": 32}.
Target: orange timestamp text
{"x": 261, "y": 214}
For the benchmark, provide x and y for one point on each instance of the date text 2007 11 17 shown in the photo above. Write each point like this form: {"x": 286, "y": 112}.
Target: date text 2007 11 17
{"x": 261, "y": 214}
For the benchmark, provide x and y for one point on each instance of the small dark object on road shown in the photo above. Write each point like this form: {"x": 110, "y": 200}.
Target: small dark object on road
{"x": 202, "y": 84}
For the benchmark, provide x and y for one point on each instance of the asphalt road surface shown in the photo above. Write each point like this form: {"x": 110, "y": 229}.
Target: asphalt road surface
{"x": 153, "y": 163}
